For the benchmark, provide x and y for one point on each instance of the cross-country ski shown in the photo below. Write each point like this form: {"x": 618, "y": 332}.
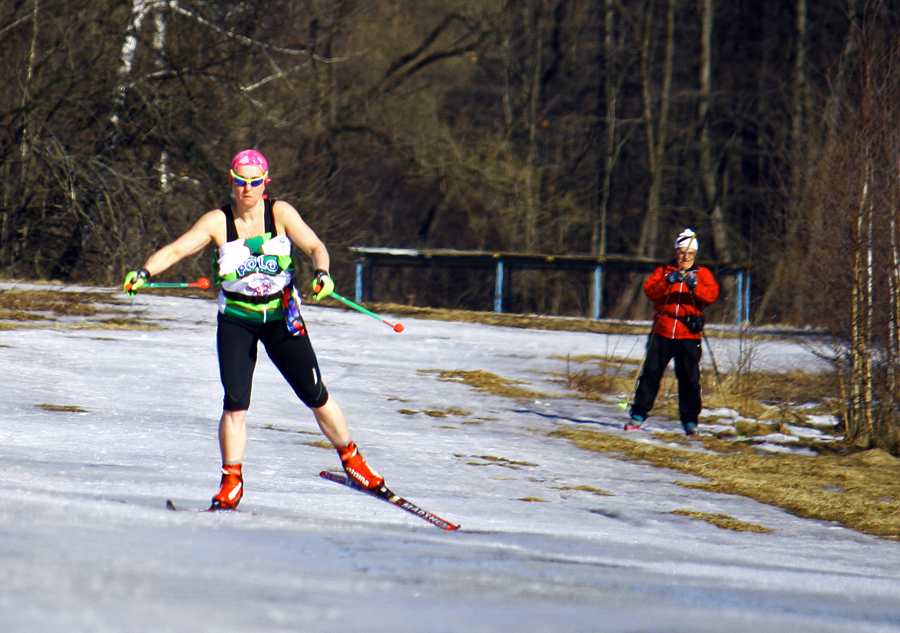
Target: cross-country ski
{"x": 386, "y": 494}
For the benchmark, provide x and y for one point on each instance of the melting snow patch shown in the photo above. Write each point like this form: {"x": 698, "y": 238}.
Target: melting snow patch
{"x": 719, "y": 413}
{"x": 778, "y": 437}
{"x": 779, "y": 448}
{"x": 822, "y": 420}
{"x": 805, "y": 431}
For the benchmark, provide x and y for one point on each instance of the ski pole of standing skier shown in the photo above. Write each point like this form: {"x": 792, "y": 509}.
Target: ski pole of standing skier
{"x": 676, "y": 333}
{"x": 630, "y": 426}
{"x": 712, "y": 358}
{"x": 253, "y": 236}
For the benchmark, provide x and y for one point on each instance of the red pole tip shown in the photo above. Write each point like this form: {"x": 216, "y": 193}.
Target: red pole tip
{"x": 203, "y": 282}
{"x": 399, "y": 327}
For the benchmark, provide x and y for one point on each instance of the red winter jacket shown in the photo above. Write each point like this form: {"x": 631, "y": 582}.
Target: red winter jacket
{"x": 674, "y": 300}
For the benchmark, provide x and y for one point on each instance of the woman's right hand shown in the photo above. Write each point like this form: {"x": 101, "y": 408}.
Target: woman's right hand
{"x": 134, "y": 280}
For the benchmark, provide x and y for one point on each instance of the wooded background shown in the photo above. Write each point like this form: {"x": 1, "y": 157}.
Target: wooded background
{"x": 555, "y": 126}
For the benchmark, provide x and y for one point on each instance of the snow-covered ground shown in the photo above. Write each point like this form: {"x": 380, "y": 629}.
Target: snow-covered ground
{"x": 86, "y": 543}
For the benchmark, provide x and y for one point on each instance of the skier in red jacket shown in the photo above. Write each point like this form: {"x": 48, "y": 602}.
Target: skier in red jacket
{"x": 680, "y": 290}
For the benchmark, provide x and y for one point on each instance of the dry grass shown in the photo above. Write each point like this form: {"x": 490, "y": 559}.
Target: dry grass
{"x": 770, "y": 396}
{"x": 320, "y": 444}
{"x": 859, "y": 490}
{"x": 21, "y": 315}
{"x": 62, "y": 408}
{"x": 436, "y": 413}
{"x": 117, "y": 323}
{"x": 755, "y": 395}
{"x": 597, "y": 491}
{"x": 487, "y": 382}
{"x": 21, "y": 308}
{"x": 602, "y": 361}
{"x": 61, "y": 303}
{"x": 491, "y": 460}
{"x": 272, "y": 427}
{"x": 723, "y": 521}
{"x": 599, "y": 386}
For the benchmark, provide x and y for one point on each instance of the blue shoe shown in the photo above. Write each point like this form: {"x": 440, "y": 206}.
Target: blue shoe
{"x": 635, "y": 424}
{"x": 690, "y": 428}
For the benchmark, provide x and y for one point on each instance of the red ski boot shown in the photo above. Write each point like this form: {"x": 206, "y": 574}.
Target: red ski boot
{"x": 357, "y": 469}
{"x": 229, "y": 495}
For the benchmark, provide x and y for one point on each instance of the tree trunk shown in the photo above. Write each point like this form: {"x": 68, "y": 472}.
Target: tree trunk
{"x": 708, "y": 166}
{"x": 532, "y": 176}
{"x": 139, "y": 10}
{"x": 894, "y": 289}
{"x": 658, "y": 137}
{"x": 859, "y": 409}
{"x": 657, "y": 130}
{"x": 598, "y": 236}
{"x": 798, "y": 162}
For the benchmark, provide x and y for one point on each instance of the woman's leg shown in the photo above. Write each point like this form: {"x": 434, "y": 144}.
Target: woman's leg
{"x": 295, "y": 359}
{"x": 331, "y": 420}
{"x": 233, "y": 436}
{"x": 232, "y": 442}
{"x": 236, "y": 345}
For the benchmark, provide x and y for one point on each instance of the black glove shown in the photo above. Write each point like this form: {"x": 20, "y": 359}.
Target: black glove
{"x": 691, "y": 280}
{"x": 674, "y": 277}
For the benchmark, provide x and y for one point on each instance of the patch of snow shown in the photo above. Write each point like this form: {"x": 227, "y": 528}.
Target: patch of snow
{"x": 780, "y": 448}
{"x": 822, "y": 420}
{"x": 805, "y": 431}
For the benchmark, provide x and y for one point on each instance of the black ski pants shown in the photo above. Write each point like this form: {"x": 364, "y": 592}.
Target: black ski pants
{"x": 660, "y": 350}
{"x": 237, "y": 342}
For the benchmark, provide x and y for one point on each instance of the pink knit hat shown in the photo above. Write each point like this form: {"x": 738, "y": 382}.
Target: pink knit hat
{"x": 250, "y": 157}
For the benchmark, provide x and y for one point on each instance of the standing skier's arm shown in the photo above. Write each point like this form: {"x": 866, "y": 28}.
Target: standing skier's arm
{"x": 707, "y": 289}
{"x": 656, "y": 285}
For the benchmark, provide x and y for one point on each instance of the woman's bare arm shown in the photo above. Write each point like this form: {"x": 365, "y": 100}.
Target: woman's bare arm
{"x": 209, "y": 228}
{"x": 301, "y": 234}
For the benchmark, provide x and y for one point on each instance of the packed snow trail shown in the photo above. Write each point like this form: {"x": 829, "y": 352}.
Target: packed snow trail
{"x": 86, "y": 543}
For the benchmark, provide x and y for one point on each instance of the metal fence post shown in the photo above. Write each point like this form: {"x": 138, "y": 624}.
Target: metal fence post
{"x": 597, "y": 292}
{"x": 747, "y": 298}
{"x": 498, "y": 288}
{"x": 358, "y": 293}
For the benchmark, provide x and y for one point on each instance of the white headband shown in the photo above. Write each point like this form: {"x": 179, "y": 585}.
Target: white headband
{"x": 687, "y": 239}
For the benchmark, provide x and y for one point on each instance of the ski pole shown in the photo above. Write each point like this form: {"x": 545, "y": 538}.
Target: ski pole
{"x": 624, "y": 405}
{"x": 718, "y": 380}
{"x": 713, "y": 359}
{"x": 203, "y": 283}
{"x": 398, "y": 327}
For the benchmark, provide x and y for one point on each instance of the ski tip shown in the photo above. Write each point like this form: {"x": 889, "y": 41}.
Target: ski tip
{"x": 170, "y": 505}
{"x": 623, "y": 405}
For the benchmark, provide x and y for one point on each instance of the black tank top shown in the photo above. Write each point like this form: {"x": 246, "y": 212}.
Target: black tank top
{"x": 231, "y": 227}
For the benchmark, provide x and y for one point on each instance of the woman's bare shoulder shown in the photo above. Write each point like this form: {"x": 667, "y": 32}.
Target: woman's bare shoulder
{"x": 212, "y": 223}
{"x": 282, "y": 208}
